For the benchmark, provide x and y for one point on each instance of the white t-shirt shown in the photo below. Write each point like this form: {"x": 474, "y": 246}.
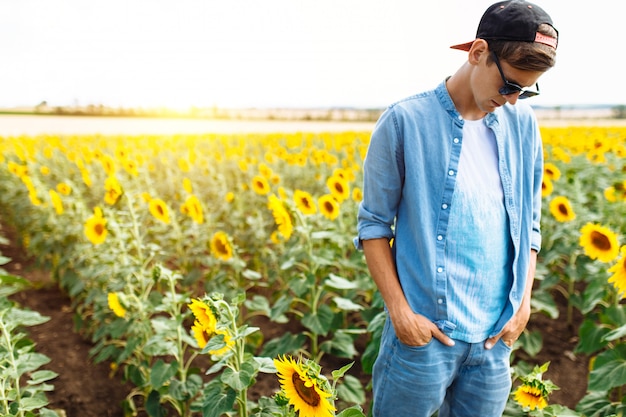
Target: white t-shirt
{"x": 478, "y": 247}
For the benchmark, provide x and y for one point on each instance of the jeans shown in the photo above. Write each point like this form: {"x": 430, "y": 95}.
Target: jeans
{"x": 464, "y": 380}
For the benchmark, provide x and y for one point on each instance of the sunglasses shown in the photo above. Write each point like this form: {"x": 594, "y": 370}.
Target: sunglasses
{"x": 511, "y": 88}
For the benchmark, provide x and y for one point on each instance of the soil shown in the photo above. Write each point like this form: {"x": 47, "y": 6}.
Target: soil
{"x": 85, "y": 389}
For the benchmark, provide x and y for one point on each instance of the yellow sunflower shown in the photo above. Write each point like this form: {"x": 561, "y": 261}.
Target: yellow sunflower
{"x": 115, "y": 305}
{"x": 221, "y": 247}
{"x": 599, "y": 242}
{"x": 304, "y": 202}
{"x": 159, "y": 210}
{"x": 304, "y": 388}
{"x": 113, "y": 190}
{"x": 618, "y": 279}
{"x": 561, "y": 209}
{"x": 546, "y": 187}
{"x": 281, "y": 216}
{"x": 260, "y": 185}
{"x": 329, "y": 207}
{"x": 64, "y": 189}
{"x": 193, "y": 209}
{"x": 530, "y": 397}
{"x": 57, "y": 203}
{"x": 204, "y": 315}
{"x": 229, "y": 197}
{"x": 95, "y": 228}
{"x": 551, "y": 171}
{"x": 357, "y": 194}
{"x": 338, "y": 187}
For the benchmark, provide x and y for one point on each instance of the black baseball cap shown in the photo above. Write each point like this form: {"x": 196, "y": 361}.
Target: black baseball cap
{"x": 512, "y": 20}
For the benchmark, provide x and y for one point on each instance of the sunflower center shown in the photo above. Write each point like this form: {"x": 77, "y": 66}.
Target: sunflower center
{"x": 306, "y": 394}
{"x": 563, "y": 209}
{"x": 99, "y": 229}
{"x": 600, "y": 241}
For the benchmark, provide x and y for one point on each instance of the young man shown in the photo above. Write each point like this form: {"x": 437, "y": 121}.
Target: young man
{"x": 454, "y": 175}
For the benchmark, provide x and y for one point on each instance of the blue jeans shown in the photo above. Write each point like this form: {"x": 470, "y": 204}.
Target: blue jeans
{"x": 464, "y": 380}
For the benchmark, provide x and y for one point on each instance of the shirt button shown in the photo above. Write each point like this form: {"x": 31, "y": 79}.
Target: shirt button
{"x": 456, "y": 140}
{"x": 440, "y": 269}
{"x": 451, "y": 172}
{"x": 439, "y": 237}
{"x": 440, "y": 301}
{"x": 444, "y": 206}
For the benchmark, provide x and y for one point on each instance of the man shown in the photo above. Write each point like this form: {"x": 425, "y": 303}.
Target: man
{"x": 452, "y": 179}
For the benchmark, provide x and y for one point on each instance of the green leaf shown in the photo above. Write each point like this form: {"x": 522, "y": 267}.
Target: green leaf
{"x": 30, "y": 362}
{"x": 153, "y": 405}
{"x": 339, "y": 373}
{"x": 351, "y": 390}
{"x": 531, "y": 342}
{"x": 287, "y": 343}
{"x": 161, "y": 373}
{"x": 319, "y": 322}
{"x": 27, "y": 317}
{"x": 265, "y": 365}
{"x": 355, "y": 411}
{"x": 542, "y": 301}
{"x": 347, "y": 305}
{"x": 591, "y": 337}
{"x": 609, "y": 369}
{"x": 239, "y": 380}
{"x": 39, "y": 377}
{"x": 339, "y": 283}
{"x": 33, "y": 403}
{"x": 217, "y": 401}
{"x": 615, "y": 334}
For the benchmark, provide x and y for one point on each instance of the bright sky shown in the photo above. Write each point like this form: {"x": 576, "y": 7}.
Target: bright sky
{"x": 266, "y": 53}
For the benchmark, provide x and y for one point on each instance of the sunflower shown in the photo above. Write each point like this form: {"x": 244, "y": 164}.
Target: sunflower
{"x": 530, "y": 397}
{"x": 357, "y": 194}
{"x": 187, "y": 186}
{"x": 281, "y": 216}
{"x": 551, "y": 172}
{"x": 95, "y": 227}
{"x": 260, "y": 185}
{"x": 618, "y": 279}
{"x": 329, "y": 207}
{"x": 338, "y": 187}
{"x": 131, "y": 167}
{"x": 57, "y": 203}
{"x": 561, "y": 209}
{"x": 304, "y": 388}
{"x": 115, "y": 305}
{"x": 599, "y": 242}
{"x": 193, "y": 209}
{"x": 204, "y": 315}
{"x": 64, "y": 189}
{"x": 113, "y": 190}
{"x": 108, "y": 164}
{"x": 159, "y": 210}
{"x": 304, "y": 202}
{"x": 546, "y": 187}
{"x": 221, "y": 247}
{"x": 229, "y": 197}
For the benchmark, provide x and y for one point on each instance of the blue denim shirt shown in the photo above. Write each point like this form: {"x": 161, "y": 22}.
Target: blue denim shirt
{"x": 409, "y": 180}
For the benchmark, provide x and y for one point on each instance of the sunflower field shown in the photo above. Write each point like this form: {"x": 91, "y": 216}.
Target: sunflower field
{"x": 174, "y": 248}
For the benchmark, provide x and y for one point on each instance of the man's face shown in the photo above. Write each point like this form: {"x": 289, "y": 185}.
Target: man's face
{"x": 489, "y": 81}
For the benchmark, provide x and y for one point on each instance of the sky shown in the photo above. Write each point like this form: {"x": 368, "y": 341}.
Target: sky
{"x": 279, "y": 53}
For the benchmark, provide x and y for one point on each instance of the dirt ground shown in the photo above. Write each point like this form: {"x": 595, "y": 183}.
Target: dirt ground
{"x": 84, "y": 389}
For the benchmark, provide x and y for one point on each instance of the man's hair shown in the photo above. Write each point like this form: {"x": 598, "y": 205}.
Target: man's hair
{"x": 527, "y": 56}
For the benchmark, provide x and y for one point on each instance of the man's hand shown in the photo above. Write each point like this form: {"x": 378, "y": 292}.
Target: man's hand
{"x": 416, "y": 330}
{"x": 513, "y": 329}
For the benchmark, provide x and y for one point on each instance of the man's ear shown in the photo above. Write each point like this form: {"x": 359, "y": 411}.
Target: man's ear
{"x": 479, "y": 49}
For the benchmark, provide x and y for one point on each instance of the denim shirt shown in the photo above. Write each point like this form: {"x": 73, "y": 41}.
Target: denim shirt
{"x": 409, "y": 180}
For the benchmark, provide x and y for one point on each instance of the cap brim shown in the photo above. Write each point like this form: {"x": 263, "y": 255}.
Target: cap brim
{"x": 463, "y": 46}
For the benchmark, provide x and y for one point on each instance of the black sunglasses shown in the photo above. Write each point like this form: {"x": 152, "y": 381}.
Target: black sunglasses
{"x": 511, "y": 88}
